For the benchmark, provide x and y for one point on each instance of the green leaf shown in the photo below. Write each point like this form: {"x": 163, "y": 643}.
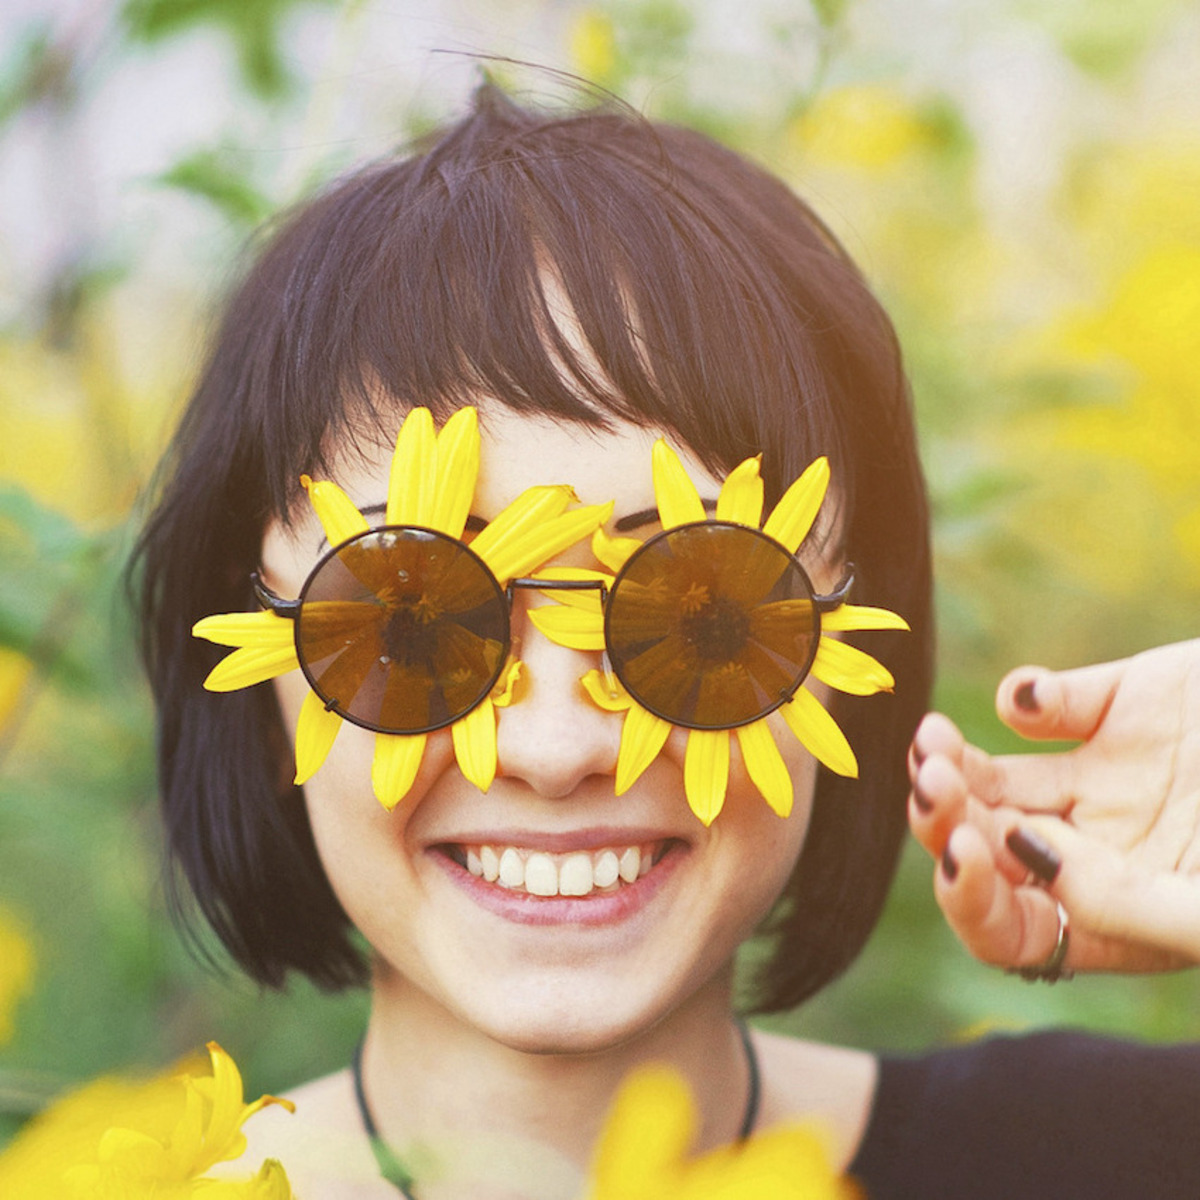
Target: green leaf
{"x": 216, "y": 175}
{"x": 256, "y": 27}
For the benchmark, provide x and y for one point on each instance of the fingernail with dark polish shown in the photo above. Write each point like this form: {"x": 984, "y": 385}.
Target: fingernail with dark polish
{"x": 949, "y": 865}
{"x": 1035, "y": 853}
{"x": 921, "y": 800}
{"x": 1024, "y": 698}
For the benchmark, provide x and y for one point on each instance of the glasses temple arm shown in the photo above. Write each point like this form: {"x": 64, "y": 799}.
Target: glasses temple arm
{"x": 837, "y": 597}
{"x": 269, "y": 600}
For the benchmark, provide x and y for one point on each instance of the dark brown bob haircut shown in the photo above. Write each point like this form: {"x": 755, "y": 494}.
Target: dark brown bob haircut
{"x": 713, "y": 303}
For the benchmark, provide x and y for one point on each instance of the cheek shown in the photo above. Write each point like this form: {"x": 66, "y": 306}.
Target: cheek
{"x": 340, "y": 795}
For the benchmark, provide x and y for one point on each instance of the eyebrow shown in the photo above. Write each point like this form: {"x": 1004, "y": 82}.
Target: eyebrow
{"x": 633, "y": 520}
{"x": 647, "y": 516}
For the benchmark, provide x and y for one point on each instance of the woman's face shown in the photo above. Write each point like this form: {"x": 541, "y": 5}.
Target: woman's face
{"x": 562, "y": 974}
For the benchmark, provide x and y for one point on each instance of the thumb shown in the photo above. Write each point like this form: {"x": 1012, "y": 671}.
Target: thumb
{"x": 1039, "y": 703}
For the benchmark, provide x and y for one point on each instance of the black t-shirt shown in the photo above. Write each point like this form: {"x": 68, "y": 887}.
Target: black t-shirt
{"x": 1060, "y": 1116}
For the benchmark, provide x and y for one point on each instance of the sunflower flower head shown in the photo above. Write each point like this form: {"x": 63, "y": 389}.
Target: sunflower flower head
{"x": 431, "y": 485}
{"x": 711, "y": 627}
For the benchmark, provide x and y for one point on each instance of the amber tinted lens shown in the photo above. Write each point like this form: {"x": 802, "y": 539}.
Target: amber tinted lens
{"x": 402, "y": 630}
{"x": 711, "y": 625}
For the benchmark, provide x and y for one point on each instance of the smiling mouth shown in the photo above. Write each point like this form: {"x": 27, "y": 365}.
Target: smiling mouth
{"x": 576, "y": 874}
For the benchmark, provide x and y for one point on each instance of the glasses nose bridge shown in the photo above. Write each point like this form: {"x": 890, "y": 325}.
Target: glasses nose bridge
{"x": 556, "y": 585}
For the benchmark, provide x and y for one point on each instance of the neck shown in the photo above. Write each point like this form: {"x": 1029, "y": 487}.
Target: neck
{"x": 467, "y": 1112}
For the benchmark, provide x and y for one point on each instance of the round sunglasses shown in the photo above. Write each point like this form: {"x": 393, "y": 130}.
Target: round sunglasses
{"x": 405, "y": 630}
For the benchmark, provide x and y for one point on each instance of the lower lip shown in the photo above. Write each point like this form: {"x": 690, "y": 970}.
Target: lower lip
{"x": 600, "y": 908}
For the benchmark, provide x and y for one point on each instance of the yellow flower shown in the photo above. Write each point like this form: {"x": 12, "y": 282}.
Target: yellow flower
{"x": 115, "y": 1140}
{"x": 16, "y": 971}
{"x": 431, "y": 484}
{"x": 578, "y": 622}
{"x": 641, "y": 1153}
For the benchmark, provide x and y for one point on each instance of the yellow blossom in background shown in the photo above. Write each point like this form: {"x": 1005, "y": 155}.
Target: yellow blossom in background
{"x": 642, "y": 1153}
{"x": 15, "y": 670}
{"x": 592, "y": 46}
{"x": 121, "y": 1140}
{"x": 16, "y": 971}
{"x": 868, "y": 127}
{"x": 1117, "y": 467}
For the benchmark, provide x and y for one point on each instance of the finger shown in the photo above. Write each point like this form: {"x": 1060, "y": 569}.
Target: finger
{"x": 1124, "y": 916}
{"x": 937, "y": 802}
{"x": 937, "y": 734}
{"x": 1036, "y": 783}
{"x": 997, "y": 922}
{"x": 1067, "y": 705}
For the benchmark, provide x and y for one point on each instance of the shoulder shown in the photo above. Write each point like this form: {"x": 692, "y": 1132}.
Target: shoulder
{"x": 802, "y": 1080}
{"x": 1068, "y": 1113}
{"x": 322, "y": 1145}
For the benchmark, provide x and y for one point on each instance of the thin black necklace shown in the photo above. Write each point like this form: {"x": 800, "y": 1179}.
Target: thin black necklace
{"x": 392, "y": 1170}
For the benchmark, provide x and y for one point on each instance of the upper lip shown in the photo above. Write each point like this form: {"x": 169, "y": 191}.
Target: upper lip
{"x": 593, "y": 838}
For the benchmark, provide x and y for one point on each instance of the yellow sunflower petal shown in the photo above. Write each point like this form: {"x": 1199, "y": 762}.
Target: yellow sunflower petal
{"x": 613, "y": 552}
{"x": 849, "y": 669}
{"x": 246, "y": 629}
{"x": 251, "y": 665}
{"x": 315, "y": 732}
{"x": 533, "y": 507}
{"x": 502, "y": 693}
{"x": 475, "y": 745}
{"x": 849, "y": 617}
{"x": 457, "y": 471}
{"x": 575, "y": 628}
{"x": 413, "y": 478}
{"x": 741, "y": 498}
{"x": 532, "y": 545}
{"x": 643, "y": 735}
{"x": 819, "y": 733}
{"x": 765, "y": 766}
{"x": 678, "y": 501}
{"x": 706, "y": 772}
{"x": 585, "y": 598}
{"x": 793, "y": 516}
{"x": 605, "y": 691}
{"x": 335, "y": 510}
{"x": 394, "y": 767}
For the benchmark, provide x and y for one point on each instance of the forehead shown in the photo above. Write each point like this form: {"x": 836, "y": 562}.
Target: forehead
{"x": 521, "y": 450}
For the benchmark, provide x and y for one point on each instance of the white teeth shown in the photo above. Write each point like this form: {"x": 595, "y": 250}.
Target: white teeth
{"x": 490, "y": 862}
{"x": 630, "y": 864}
{"x": 512, "y": 869}
{"x": 541, "y": 875}
{"x": 578, "y": 873}
{"x": 606, "y": 870}
{"x": 575, "y": 877}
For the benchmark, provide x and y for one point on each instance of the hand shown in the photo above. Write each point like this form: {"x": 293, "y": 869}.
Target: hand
{"x": 1115, "y": 822}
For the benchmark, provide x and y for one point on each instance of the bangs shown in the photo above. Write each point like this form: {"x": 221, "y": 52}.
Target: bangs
{"x": 588, "y": 268}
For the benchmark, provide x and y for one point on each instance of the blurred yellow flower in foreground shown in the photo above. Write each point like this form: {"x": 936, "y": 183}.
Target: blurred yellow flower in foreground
{"x": 651, "y": 1127}
{"x": 116, "y": 1140}
{"x": 16, "y": 971}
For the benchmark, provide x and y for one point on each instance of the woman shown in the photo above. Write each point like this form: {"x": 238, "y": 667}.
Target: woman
{"x": 587, "y": 283}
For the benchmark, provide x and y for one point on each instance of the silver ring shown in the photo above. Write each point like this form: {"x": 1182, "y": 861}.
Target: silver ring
{"x": 1051, "y": 970}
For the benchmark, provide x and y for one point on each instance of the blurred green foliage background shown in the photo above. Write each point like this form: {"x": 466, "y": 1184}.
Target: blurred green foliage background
{"x": 1020, "y": 183}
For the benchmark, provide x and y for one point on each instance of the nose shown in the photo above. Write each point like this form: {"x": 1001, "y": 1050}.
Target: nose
{"x": 552, "y": 737}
